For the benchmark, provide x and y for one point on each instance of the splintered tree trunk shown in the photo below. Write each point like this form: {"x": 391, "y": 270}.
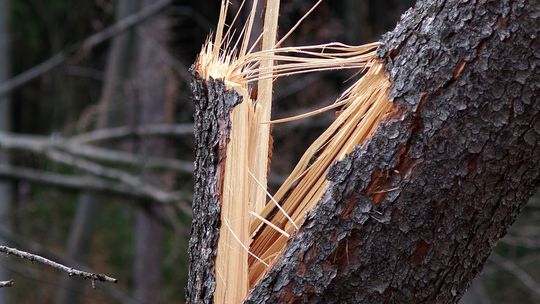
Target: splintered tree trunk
{"x": 212, "y": 128}
{"x": 411, "y": 215}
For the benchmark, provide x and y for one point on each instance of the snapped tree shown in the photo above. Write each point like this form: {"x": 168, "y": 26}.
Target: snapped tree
{"x": 435, "y": 152}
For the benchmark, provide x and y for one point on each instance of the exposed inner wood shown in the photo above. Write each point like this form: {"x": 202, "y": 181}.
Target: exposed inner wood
{"x": 231, "y": 261}
{"x": 254, "y": 229}
{"x": 263, "y": 109}
{"x": 366, "y": 105}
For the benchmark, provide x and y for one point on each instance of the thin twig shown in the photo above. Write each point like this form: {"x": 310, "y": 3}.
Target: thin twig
{"x": 115, "y": 291}
{"x": 85, "y": 46}
{"x": 7, "y": 283}
{"x": 70, "y": 271}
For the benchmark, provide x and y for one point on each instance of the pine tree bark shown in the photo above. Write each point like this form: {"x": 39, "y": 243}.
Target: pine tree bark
{"x": 411, "y": 215}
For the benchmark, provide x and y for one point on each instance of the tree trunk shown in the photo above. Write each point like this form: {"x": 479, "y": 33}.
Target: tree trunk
{"x": 154, "y": 104}
{"x": 89, "y": 205}
{"x": 411, "y": 215}
{"x": 213, "y": 104}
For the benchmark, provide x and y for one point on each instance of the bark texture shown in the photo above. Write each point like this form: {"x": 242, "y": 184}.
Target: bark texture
{"x": 461, "y": 153}
{"x": 213, "y": 104}
{"x": 411, "y": 215}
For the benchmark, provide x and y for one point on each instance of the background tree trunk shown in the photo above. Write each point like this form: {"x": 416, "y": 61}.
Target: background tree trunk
{"x": 79, "y": 243}
{"x": 6, "y": 188}
{"x": 154, "y": 104}
{"x": 357, "y": 16}
{"x": 411, "y": 215}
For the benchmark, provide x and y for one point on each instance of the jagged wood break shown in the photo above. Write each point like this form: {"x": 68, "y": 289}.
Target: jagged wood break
{"x": 440, "y": 180}
{"x": 254, "y": 226}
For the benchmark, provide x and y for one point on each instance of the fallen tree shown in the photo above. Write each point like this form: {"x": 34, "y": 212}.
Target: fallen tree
{"x": 413, "y": 212}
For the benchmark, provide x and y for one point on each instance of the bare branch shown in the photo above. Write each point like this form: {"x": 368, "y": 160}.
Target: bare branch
{"x": 517, "y": 271}
{"x": 32, "y": 143}
{"x": 93, "y": 168}
{"x": 7, "y": 283}
{"x": 78, "y": 182}
{"x": 160, "y": 195}
{"x": 122, "y": 132}
{"x": 120, "y": 157}
{"x": 115, "y": 291}
{"x": 51, "y": 148}
{"x": 86, "y": 45}
{"x": 42, "y": 145}
{"x": 70, "y": 271}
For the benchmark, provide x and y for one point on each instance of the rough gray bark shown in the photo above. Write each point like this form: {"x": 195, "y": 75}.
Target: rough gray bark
{"x": 213, "y": 104}
{"x": 411, "y": 215}
{"x": 6, "y": 188}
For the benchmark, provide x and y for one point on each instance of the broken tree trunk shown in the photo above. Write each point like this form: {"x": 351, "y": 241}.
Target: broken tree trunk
{"x": 212, "y": 129}
{"x": 411, "y": 215}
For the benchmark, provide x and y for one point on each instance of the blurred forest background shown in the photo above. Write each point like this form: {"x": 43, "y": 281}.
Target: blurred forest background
{"x": 96, "y": 143}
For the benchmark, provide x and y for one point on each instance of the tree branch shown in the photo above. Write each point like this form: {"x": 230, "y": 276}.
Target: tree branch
{"x": 70, "y": 271}
{"x": 122, "y": 176}
{"x": 114, "y": 291}
{"x": 7, "y": 283}
{"x": 85, "y": 46}
{"x": 52, "y": 148}
{"x": 119, "y": 157}
{"x": 43, "y": 145}
{"x": 126, "y": 131}
{"x": 78, "y": 182}
{"x": 95, "y": 169}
